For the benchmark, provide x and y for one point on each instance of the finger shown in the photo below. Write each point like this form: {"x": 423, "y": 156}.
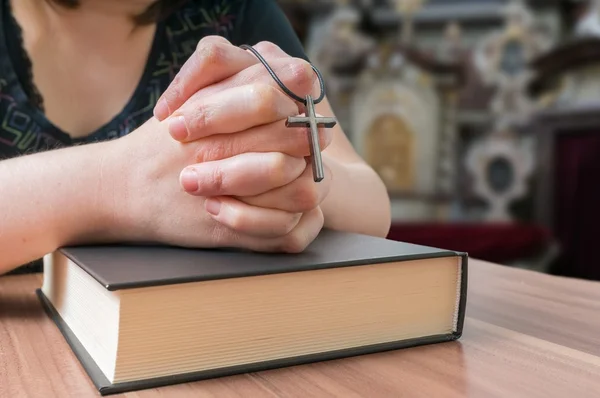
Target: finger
{"x": 299, "y": 196}
{"x": 247, "y": 174}
{"x": 251, "y": 220}
{"x": 235, "y": 109}
{"x": 273, "y": 52}
{"x": 214, "y": 59}
{"x": 270, "y": 50}
{"x": 273, "y": 137}
{"x": 296, "y": 241}
{"x": 296, "y": 74}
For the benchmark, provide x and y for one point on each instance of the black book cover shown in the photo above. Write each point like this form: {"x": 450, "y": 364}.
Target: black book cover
{"x": 122, "y": 267}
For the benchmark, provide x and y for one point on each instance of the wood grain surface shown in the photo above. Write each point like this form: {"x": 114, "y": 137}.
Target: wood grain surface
{"x": 526, "y": 335}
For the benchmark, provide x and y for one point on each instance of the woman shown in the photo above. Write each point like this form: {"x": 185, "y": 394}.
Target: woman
{"x": 141, "y": 120}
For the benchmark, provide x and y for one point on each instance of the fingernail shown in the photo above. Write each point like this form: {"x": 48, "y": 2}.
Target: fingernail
{"x": 177, "y": 128}
{"x": 161, "y": 110}
{"x": 213, "y": 206}
{"x": 189, "y": 180}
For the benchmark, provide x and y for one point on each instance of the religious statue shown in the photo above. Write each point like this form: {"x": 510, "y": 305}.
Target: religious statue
{"x": 502, "y": 61}
{"x": 451, "y": 48}
{"x": 340, "y": 42}
{"x": 407, "y": 8}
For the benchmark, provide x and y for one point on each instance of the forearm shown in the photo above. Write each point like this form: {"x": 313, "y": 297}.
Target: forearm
{"x": 48, "y": 200}
{"x": 358, "y": 200}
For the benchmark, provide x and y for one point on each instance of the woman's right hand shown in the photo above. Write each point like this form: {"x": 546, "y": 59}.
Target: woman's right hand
{"x": 237, "y": 150}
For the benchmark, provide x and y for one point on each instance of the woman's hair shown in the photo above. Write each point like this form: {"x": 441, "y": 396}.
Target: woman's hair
{"x": 156, "y": 12}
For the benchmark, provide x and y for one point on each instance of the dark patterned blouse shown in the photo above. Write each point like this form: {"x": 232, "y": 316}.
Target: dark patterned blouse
{"x": 23, "y": 126}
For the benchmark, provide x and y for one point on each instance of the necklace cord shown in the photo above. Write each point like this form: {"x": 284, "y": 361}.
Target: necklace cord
{"x": 280, "y": 83}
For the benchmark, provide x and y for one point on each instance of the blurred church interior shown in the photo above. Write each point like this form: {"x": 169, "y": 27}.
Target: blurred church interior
{"x": 481, "y": 116}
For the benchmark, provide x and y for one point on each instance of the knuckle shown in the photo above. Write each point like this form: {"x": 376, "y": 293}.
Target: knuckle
{"x": 217, "y": 179}
{"x": 235, "y": 219}
{"x": 290, "y": 222}
{"x": 293, "y": 243}
{"x": 175, "y": 90}
{"x": 320, "y": 218}
{"x": 302, "y": 75}
{"x": 202, "y": 42}
{"x": 264, "y": 99}
{"x": 325, "y": 138}
{"x": 306, "y": 196}
{"x": 278, "y": 166}
{"x": 210, "y": 52}
{"x": 268, "y": 48}
{"x": 199, "y": 122}
{"x": 218, "y": 149}
{"x": 211, "y": 39}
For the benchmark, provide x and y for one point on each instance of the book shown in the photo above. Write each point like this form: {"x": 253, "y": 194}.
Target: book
{"x": 140, "y": 317}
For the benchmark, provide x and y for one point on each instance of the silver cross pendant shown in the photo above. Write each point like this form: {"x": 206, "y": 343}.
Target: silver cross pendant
{"x": 313, "y": 123}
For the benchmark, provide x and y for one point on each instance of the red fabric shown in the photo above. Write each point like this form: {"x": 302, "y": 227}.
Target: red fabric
{"x": 498, "y": 243}
{"x": 577, "y": 204}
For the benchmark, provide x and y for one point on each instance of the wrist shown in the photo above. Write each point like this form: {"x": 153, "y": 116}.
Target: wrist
{"x": 118, "y": 199}
{"x": 333, "y": 213}
{"x": 94, "y": 217}
{"x": 370, "y": 206}
{"x": 134, "y": 169}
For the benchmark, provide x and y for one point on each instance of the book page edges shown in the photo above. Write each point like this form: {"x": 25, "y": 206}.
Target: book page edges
{"x": 105, "y": 387}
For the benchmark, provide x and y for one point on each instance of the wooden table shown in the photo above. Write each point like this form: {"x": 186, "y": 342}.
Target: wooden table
{"x": 526, "y": 335}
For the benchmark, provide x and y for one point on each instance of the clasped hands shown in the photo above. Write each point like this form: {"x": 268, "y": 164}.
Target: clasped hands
{"x": 244, "y": 179}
